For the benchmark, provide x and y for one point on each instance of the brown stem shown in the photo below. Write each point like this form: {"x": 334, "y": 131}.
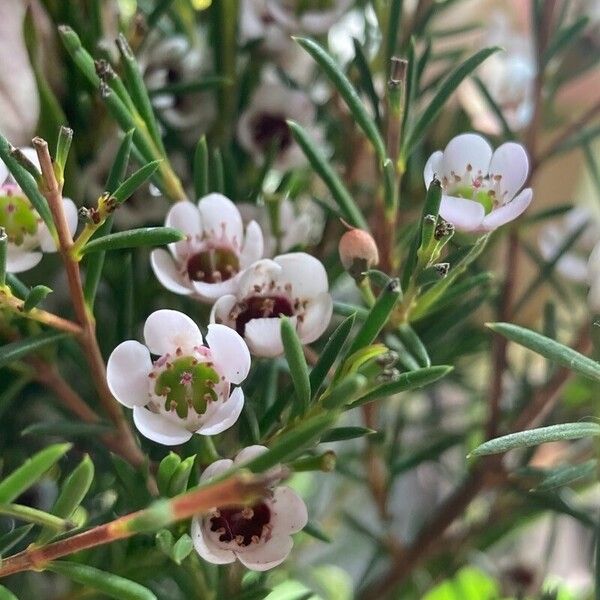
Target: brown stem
{"x": 53, "y": 194}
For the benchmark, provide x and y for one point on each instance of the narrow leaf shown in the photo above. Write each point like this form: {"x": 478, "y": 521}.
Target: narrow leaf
{"x": 201, "y": 177}
{"x": 132, "y": 183}
{"x": 17, "y": 350}
{"x": 569, "y": 474}
{"x": 338, "y": 434}
{"x": 294, "y": 355}
{"x": 133, "y": 238}
{"x": 166, "y": 470}
{"x": 179, "y": 481}
{"x": 35, "y": 296}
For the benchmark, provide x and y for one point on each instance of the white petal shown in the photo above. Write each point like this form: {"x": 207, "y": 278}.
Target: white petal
{"x": 4, "y": 172}
{"x": 71, "y": 214}
{"x": 166, "y": 271}
{"x": 31, "y": 155}
{"x": 184, "y": 216}
{"x": 572, "y": 267}
{"x": 511, "y": 162}
{"x": 18, "y": 260}
{"x": 467, "y": 149}
{"x": 509, "y": 211}
{"x": 166, "y": 330}
{"x": 206, "y": 549}
{"x": 127, "y": 373}
{"x": 289, "y": 511}
{"x": 263, "y": 337}
{"x": 221, "y": 310}
{"x": 266, "y": 555}
{"x": 465, "y": 215}
{"x": 260, "y": 274}
{"x": 215, "y": 469}
{"x": 229, "y": 353}
{"x": 209, "y": 292}
{"x": 306, "y": 274}
{"x": 253, "y": 247}
{"x": 45, "y": 239}
{"x": 220, "y": 215}
{"x": 249, "y": 453}
{"x": 316, "y": 318}
{"x": 433, "y": 167}
{"x": 159, "y": 429}
{"x": 225, "y": 416}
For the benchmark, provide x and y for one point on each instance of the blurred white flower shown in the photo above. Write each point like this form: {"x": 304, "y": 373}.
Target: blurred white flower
{"x": 299, "y": 223}
{"x": 187, "y": 389}
{"x": 259, "y": 535}
{"x": 263, "y": 123}
{"x": 572, "y": 264}
{"x": 209, "y": 262}
{"x": 314, "y": 17}
{"x": 291, "y": 285}
{"x": 480, "y": 186}
{"x": 28, "y": 235}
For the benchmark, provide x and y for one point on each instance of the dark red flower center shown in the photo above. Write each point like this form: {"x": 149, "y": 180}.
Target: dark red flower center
{"x": 262, "y": 307}
{"x": 213, "y": 266}
{"x": 242, "y": 525}
{"x": 267, "y": 128}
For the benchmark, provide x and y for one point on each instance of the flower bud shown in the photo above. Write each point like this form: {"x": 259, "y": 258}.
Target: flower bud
{"x": 358, "y": 251}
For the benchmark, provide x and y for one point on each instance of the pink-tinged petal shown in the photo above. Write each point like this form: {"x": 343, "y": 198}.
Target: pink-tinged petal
{"x": 253, "y": 247}
{"x": 316, "y": 318}
{"x": 510, "y": 161}
{"x": 166, "y": 330}
{"x": 184, "y": 216}
{"x": 433, "y": 167}
{"x": 209, "y": 292}
{"x": 18, "y": 260}
{"x": 263, "y": 337}
{"x": 221, "y": 216}
{"x": 221, "y": 310}
{"x": 304, "y": 272}
{"x": 464, "y": 150}
{"x": 260, "y": 274}
{"x": 159, "y": 429}
{"x": 508, "y": 212}
{"x": 226, "y": 415}
{"x": 266, "y": 555}
{"x": 215, "y": 469}
{"x": 289, "y": 514}
{"x": 249, "y": 453}
{"x": 229, "y": 352}
{"x": 205, "y": 548}
{"x": 166, "y": 271}
{"x": 127, "y": 373}
{"x": 465, "y": 215}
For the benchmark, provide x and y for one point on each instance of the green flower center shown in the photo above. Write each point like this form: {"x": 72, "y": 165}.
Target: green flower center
{"x": 17, "y": 217}
{"x": 213, "y": 265}
{"x": 187, "y": 383}
{"x": 483, "y": 196}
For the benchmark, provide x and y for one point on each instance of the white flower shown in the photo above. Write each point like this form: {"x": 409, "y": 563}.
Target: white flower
{"x": 480, "y": 186}
{"x": 313, "y": 17}
{"x": 264, "y": 121}
{"x": 208, "y": 264}
{"x": 573, "y": 263}
{"x": 299, "y": 223}
{"x": 258, "y": 536}
{"x": 28, "y": 235}
{"x": 187, "y": 389}
{"x": 292, "y": 285}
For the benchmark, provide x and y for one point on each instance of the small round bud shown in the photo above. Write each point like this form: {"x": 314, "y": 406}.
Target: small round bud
{"x": 358, "y": 251}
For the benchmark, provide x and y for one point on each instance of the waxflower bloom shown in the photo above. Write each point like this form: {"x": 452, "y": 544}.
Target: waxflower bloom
{"x": 187, "y": 388}
{"x": 292, "y": 285}
{"x": 480, "y": 186}
{"x": 264, "y": 123}
{"x": 209, "y": 262}
{"x": 259, "y": 535}
{"x": 28, "y": 235}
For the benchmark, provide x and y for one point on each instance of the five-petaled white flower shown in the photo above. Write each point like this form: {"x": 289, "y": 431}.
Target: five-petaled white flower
{"x": 28, "y": 235}
{"x": 292, "y": 285}
{"x": 258, "y": 536}
{"x": 480, "y": 185}
{"x": 187, "y": 389}
{"x": 264, "y": 124}
{"x": 209, "y": 262}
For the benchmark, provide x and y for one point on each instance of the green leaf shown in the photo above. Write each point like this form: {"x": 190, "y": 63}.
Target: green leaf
{"x": 179, "y": 481}
{"x": 506, "y": 130}
{"x": 201, "y": 176}
{"x": 109, "y": 584}
{"x": 405, "y": 381}
{"x": 133, "y": 238}
{"x": 17, "y": 350}
{"x": 550, "y": 349}
{"x": 120, "y": 163}
{"x": 366, "y": 79}
{"x": 320, "y": 164}
{"x": 12, "y": 538}
{"x": 217, "y": 172}
{"x": 33, "y": 515}
{"x": 412, "y": 342}
{"x": 166, "y": 470}
{"x": 6, "y": 594}
{"x": 132, "y": 183}
{"x": 569, "y": 474}
{"x": 164, "y": 541}
{"x": 182, "y": 548}
{"x": 30, "y": 472}
{"x": 315, "y": 531}
{"x": 468, "y": 584}
{"x": 67, "y": 429}
{"x": 393, "y": 28}
{"x": 541, "y": 435}
{"x": 347, "y": 92}
{"x": 35, "y": 296}
{"x": 345, "y": 391}
{"x": 446, "y": 89}
{"x": 565, "y": 36}
{"x": 338, "y": 434}
{"x": 292, "y": 347}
